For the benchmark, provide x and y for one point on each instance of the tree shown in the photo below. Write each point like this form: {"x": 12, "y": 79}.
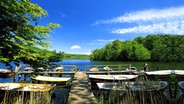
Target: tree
{"x": 20, "y": 33}
{"x": 134, "y": 51}
{"x": 116, "y": 49}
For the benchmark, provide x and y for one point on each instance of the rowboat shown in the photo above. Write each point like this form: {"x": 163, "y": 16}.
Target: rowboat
{"x": 163, "y": 75}
{"x": 5, "y": 73}
{"x": 94, "y": 69}
{"x": 112, "y": 78}
{"x": 106, "y": 68}
{"x": 53, "y": 80}
{"x": 149, "y": 92}
{"x": 13, "y": 91}
{"x": 179, "y": 75}
{"x": 141, "y": 91}
{"x": 58, "y": 69}
{"x": 113, "y": 86}
{"x": 94, "y": 79}
{"x": 166, "y": 75}
{"x": 25, "y": 87}
{"x": 133, "y": 85}
{"x": 148, "y": 85}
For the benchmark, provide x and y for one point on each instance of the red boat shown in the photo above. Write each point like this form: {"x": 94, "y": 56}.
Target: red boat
{"x": 5, "y": 73}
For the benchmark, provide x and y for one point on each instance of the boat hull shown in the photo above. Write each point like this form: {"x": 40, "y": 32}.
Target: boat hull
{"x": 162, "y": 75}
{"x": 51, "y": 80}
{"x": 12, "y": 91}
{"x": 5, "y": 73}
{"x": 94, "y": 79}
{"x": 166, "y": 75}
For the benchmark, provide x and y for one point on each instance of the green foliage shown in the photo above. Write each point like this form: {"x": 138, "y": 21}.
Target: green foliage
{"x": 121, "y": 51}
{"x": 164, "y": 48}
{"x": 169, "y": 48}
{"x": 75, "y": 56}
{"x": 20, "y": 33}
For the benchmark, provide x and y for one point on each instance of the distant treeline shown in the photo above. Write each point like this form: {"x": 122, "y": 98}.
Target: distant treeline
{"x": 162, "y": 48}
{"x": 75, "y": 56}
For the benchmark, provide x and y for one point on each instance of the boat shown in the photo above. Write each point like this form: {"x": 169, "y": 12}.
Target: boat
{"x": 27, "y": 87}
{"x": 13, "y": 91}
{"x": 163, "y": 75}
{"x": 132, "y": 69}
{"x": 141, "y": 91}
{"x": 148, "y": 85}
{"x": 58, "y": 69}
{"x": 166, "y": 75}
{"x": 53, "y": 80}
{"x": 133, "y": 85}
{"x": 113, "y": 86}
{"x": 149, "y": 92}
{"x": 112, "y": 78}
{"x": 94, "y": 69}
{"x": 179, "y": 75}
{"x": 106, "y": 68}
{"x": 5, "y": 73}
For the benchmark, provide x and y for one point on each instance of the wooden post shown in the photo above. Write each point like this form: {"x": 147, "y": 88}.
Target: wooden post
{"x": 14, "y": 77}
{"x": 25, "y": 75}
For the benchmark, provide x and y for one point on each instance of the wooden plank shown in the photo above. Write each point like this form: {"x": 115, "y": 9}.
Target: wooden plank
{"x": 27, "y": 72}
{"x": 80, "y": 92}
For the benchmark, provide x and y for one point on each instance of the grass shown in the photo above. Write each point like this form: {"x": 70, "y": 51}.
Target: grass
{"x": 131, "y": 97}
{"x": 19, "y": 97}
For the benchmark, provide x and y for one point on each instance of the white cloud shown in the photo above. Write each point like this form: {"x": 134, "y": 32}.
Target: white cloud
{"x": 166, "y": 21}
{"x": 75, "y": 47}
{"x": 176, "y": 27}
{"x": 147, "y": 15}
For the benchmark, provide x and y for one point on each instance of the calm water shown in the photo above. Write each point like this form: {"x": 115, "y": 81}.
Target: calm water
{"x": 139, "y": 65}
{"x": 151, "y": 65}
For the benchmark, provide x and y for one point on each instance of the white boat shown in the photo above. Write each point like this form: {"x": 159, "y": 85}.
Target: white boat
{"x": 179, "y": 72}
{"x": 112, "y": 78}
{"x": 111, "y": 86}
{"x": 58, "y": 69}
{"x": 13, "y": 91}
{"x": 160, "y": 72}
{"x": 133, "y": 85}
{"x": 132, "y": 69}
{"x": 94, "y": 69}
{"x": 166, "y": 75}
{"x": 47, "y": 79}
{"x": 163, "y": 75}
{"x": 106, "y": 68}
{"x": 25, "y": 87}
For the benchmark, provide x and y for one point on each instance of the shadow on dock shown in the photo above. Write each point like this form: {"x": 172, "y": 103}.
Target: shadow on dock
{"x": 81, "y": 92}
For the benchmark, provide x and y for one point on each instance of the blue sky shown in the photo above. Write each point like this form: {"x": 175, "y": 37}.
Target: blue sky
{"x": 90, "y": 24}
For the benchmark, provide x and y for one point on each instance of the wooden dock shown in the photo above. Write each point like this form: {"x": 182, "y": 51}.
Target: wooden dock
{"x": 80, "y": 92}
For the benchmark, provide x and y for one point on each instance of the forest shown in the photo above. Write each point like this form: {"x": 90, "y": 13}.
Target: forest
{"x": 75, "y": 56}
{"x": 158, "y": 47}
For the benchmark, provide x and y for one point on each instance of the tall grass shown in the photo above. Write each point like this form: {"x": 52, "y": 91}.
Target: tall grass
{"x": 20, "y": 97}
{"x": 131, "y": 97}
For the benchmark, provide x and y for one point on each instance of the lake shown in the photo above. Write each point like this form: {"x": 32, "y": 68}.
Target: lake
{"x": 139, "y": 65}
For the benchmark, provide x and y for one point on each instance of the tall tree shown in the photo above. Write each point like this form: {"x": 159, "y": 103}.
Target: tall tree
{"x": 20, "y": 33}
{"x": 116, "y": 49}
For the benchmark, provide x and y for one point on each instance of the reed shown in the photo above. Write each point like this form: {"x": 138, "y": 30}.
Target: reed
{"x": 132, "y": 97}
{"x": 16, "y": 97}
